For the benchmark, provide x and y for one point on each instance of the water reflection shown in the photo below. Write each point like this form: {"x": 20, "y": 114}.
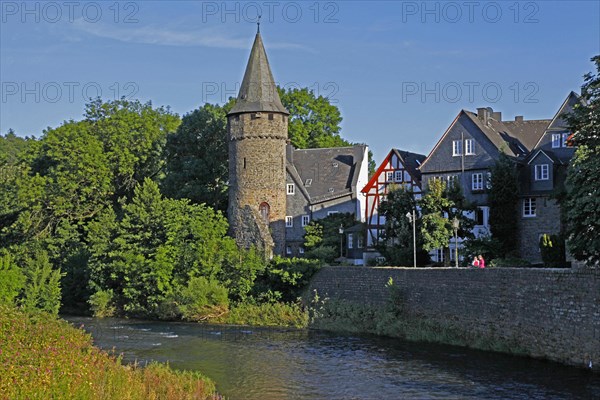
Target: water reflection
{"x": 255, "y": 363}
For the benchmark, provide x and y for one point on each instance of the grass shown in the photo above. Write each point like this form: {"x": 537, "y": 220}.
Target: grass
{"x": 42, "y": 357}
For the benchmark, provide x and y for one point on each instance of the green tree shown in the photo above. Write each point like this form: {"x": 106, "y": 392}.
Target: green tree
{"x": 397, "y": 241}
{"x": 314, "y": 122}
{"x": 156, "y": 248}
{"x": 582, "y": 203}
{"x": 439, "y": 206}
{"x": 197, "y": 157}
{"x": 12, "y": 280}
{"x": 322, "y": 238}
{"x": 503, "y": 198}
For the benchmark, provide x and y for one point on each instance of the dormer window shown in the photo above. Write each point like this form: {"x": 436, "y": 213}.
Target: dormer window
{"x": 556, "y": 140}
{"x": 541, "y": 172}
{"x": 565, "y": 138}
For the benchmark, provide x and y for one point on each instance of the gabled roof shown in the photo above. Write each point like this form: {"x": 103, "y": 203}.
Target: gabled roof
{"x": 411, "y": 162}
{"x": 550, "y": 155}
{"x": 328, "y": 173}
{"x": 258, "y": 91}
{"x": 558, "y": 123}
{"x": 515, "y": 138}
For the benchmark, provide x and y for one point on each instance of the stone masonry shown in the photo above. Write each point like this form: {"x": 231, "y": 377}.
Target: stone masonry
{"x": 553, "y": 314}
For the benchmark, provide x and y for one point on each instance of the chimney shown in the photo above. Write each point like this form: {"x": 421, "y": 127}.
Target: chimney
{"x": 497, "y": 115}
{"x": 483, "y": 114}
{"x": 519, "y": 118}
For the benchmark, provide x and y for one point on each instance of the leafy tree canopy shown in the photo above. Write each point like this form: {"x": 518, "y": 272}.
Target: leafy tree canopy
{"x": 583, "y": 187}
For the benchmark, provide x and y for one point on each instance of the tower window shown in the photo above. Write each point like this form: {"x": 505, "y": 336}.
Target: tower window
{"x": 253, "y": 116}
{"x": 264, "y": 210}
{"x": 291, "y": 189}
{"x": 244, "y": 162}
{"x": 270, "y": 117}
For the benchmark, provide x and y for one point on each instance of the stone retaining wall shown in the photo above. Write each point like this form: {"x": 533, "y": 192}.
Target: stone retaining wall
{"x": 551, "y": 313}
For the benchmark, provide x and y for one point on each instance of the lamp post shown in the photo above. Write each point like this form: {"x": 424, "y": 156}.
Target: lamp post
{"x": 341, "y": 231}
{"x": 455, "y": 225}
{"x": 412, "y": 218}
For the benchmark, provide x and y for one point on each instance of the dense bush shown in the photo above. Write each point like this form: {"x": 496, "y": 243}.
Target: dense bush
{"x": 12, "y": 280}
{"x": 269, "y": 314}
{"x": 552, "y": 248}
{"x": 509, "y": 262}
{"x": 203, "y": 299}
{"x": 287, "y": 277}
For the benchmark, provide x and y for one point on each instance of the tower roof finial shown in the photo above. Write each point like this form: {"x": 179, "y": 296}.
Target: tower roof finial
{"x": 258, "y": 24}
{"x": 258, "y": 91}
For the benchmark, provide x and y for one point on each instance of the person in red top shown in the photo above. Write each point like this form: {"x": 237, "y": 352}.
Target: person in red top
{"x": 481, "y": 262}
{"x": 475, "y": 262}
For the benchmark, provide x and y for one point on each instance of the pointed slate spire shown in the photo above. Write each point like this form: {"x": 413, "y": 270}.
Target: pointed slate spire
{"x": 258, "y": 92}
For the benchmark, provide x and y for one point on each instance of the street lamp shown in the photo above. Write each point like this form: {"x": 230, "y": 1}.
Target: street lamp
{"x": 456, "y": 225}
{"x": 341, "y": 231}
{"x": 412, "y": 218}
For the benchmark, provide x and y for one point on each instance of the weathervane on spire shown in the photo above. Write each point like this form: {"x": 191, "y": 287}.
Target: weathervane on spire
{"x": 258, "y": 24}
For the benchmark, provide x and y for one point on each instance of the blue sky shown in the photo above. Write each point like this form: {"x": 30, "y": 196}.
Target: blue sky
{"x": 399, "y": 71}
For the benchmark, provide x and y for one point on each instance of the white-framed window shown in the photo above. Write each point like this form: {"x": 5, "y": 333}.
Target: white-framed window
{"x": 469, "y": 147}
{"x": 439, "y": 255}
{"x": 488, "y": 180}
{"x": 305, "y": 220}
{"x": 541, "y": 172}
{"x": 456, "y": 148}
{"x": 389, "y": 176}
{"x": 556, "y": 140}
{"x": 301, "y": 250}
{"x": 291, "y": 188}
{"x": 452, "y": 180}
{"x": 398, "y": 176}
{"x": 359, "y": 242}
{"x": 288, "y": 250}
{"x": 529, "y": 207}
{"x": 289, "y": 221}
{"x": 477, "y": 181}
{"x": 350, "y": 240}
{"x": 565, "y": 136}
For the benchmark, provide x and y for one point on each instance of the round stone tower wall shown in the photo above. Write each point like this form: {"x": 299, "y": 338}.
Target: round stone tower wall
{"x": 257, "y": 176}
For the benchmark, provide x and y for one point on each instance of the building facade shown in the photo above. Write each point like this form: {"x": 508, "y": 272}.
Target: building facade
{"x": 471, "y": 146}
{"x": 399, "y": 168}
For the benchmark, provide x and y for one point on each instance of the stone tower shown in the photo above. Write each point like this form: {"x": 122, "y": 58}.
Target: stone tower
{"x": 257, "y": 134}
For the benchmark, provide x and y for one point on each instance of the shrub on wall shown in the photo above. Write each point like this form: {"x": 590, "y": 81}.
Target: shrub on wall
{"x": 553, "y": 251}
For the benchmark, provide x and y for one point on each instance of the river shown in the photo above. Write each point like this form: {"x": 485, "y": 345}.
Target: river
{"x": 277, "y": 364}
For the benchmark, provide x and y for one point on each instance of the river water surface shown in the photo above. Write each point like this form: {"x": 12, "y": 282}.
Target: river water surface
{"x": 278, "y": 364}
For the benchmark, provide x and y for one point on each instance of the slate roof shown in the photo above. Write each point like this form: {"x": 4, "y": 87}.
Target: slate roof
{"x": 327, "y": 173}
{"x": 412, "y": 162}
{"x": 516, "y": 138}
{"x": 258, "y": 92}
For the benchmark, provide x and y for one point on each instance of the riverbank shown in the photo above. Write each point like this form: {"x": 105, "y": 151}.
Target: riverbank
{"x": 43, "y": 357}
